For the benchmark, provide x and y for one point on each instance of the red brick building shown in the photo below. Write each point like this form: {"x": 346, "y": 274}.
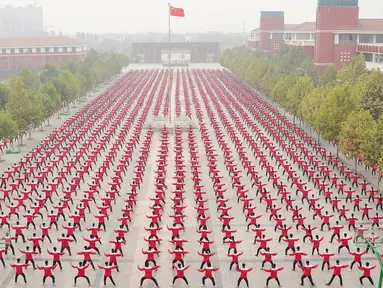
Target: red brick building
{"x": 337, "y": 35}
{"x": 36, "y": 52}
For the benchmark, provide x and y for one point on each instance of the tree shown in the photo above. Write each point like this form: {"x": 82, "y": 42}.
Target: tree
{"x": 5, "y": 90}
{"x": 309, "y": 68}
{"x": 334, "y": 110}
{"x": 372, "y": 146}
{"x": 371, "y": 97}
{"x": 30, "y": 79}
{"x": 296, "y": 93}
{"x": 8, "y": 126}
{"x": 354, "y": 71}
{"x": 329, "y": 75}
{"x": 358, "y": 127}
{"x": 280, "y": 89}
{"x": 23, "y": 108}
{"x": 311, "y": 103}
{"x": 66, "y": 86}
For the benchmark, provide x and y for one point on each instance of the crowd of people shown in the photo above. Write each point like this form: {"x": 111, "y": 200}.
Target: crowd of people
{"x": 73, "y": 179}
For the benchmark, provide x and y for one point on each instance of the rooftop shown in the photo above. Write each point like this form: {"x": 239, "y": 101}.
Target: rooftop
{"x": 38, "y": 41}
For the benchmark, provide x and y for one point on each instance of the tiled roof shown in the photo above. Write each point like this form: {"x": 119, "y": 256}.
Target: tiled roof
{"x": 38, "y": 41}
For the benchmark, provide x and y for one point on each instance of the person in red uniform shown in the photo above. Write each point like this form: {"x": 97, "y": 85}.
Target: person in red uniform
{"x": 234, "y": 258}
{"x": 307, "y": 272}
{"x": 19, "y": 270}
{"x": 56, "y": 256}
{"x": 180, "y": 273}
{"x": 148, "y": 273}
{"x": 81, "y": 272}
{"x": 337, "y": 272}
{"x": 243, "y": 276}
{"x": 108, "y": 272}
{"x": 87, "y": 256}
{"x": 366, "y": 273}
{"x": 65, "y": 240}
{"x": 29, "y": 256}
{"x": 113, "y": 254}
{"x": 208, "y": 274}
{"x": 48, "y": 272}
{"x": 273, "y": 274}
{"x": 357, "y": 257}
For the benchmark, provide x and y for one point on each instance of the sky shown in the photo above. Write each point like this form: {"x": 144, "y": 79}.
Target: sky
{"x": 137, "y": 16}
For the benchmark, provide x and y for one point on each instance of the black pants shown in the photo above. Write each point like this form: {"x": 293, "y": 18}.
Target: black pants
{"x": 2, "y": 261}
{"x": 22, "y": 274}
{"x": 52, "y": 277}
{"x": 37, "y": 248}
{"x": 111, "y": 279}
{"x": 184, "y": 278}
{"x": 103, "y": 226}
{"x": 90, "y": 261}
{"x": 33, "y": 263}
{"x": 181, "y": 261}
{"x": 49, "y": 238}
{"x": 307, "y": 236}
{"x": 313, "y": 250}
{"x": 310, "y": 279}
{"x": 240, "y": 280}
{"x": 231, "y": 265}
{"x": 59, "y": 263}
{"x": 353, "y": 263}
{"x": 148, "y": 261}
{"x": 152, "y": 278}
{"x": 341, "y": 246}
{"x": 368, "y": 277}
{"x": 22, "y": 237}
{"x": 295, "y": 263}
{"x": 204, "y": 279}
{"x": 324, "y": 263}
{"x": 264, "y": 262}
{"x": 203, "y": 263}
{"x": 269, "y": 278}
{"x": 333, "y": 236}
{"x": 288, "y": 248}
{"x": 86, "y": 277}
{"x": 66, "y": 248}
{"x": 333, "y": 277}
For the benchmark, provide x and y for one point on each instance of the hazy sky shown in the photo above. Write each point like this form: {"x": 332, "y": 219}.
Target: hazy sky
{"x": 132, "y": 16}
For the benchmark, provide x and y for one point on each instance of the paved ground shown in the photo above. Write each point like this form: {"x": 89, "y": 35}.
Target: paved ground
{"x": 129, "y": 276}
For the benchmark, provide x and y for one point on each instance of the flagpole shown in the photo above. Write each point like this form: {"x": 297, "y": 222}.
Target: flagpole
{"x": 169, "y": 84}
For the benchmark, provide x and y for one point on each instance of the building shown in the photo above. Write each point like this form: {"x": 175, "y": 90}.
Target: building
{"x": 181, "y": 52}
{"x": 337, "y": 35}
{"x": 21, "y": 21}
{"x": 35, "y": 52}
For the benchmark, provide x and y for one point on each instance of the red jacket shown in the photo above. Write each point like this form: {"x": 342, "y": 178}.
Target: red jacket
{"x": 338, "y": 268}
{"x": 81, "y": 270}
{"x": 47, "y": 269}
{"x": 86, "y": 254}
{"x": 244, "y": 272}
{"x": 19, "y": 267}
{"x": 181, "y": 271}
{"x": 366, "y": 270}
{"x": 273, "y": 272}
{"x": 208, "y": 271}
{"x": 307, "y": 269}
{"x": 148, "y": 270}
{"x": 56, "y": 255}
{"x": 108, "y": 270}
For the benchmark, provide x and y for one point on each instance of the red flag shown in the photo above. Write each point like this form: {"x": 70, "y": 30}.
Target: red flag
{"x": 177, "y": 12}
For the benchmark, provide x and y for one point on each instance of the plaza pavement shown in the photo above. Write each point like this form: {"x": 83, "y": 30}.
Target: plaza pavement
{"x": 129, "y": 276}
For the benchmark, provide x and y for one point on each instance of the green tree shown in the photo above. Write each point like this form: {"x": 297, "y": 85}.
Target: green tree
{"x": 372, "y": 144}
{"x": 297, "y": 92}
{"x": 334, "y": 110}
{"x": 311, "y": 103}
{"x": 5, "y": 91}
{"x": 30, "y": 79}
{"x": 329, "y": 75}
{"x": 8, "y": 127}
{"x": 22, "y": 107}
{"x": 66, "y": 86}
{"x": 280, "y": 89}
{"x": 354, "y": 71}
{"x": 358, "y": 127}
{"x": 309, "y": 68}
{"x": 371, "y": 97}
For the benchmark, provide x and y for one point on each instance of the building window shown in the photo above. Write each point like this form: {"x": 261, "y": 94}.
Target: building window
{"x": 368, "y": 57}
{"x": 348, "y": 38}
{"x": 277, "y": 36}
{"x": 379, "y": 38}
{"x": 302, "y": 36}
{"x": 366, "y": 38}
